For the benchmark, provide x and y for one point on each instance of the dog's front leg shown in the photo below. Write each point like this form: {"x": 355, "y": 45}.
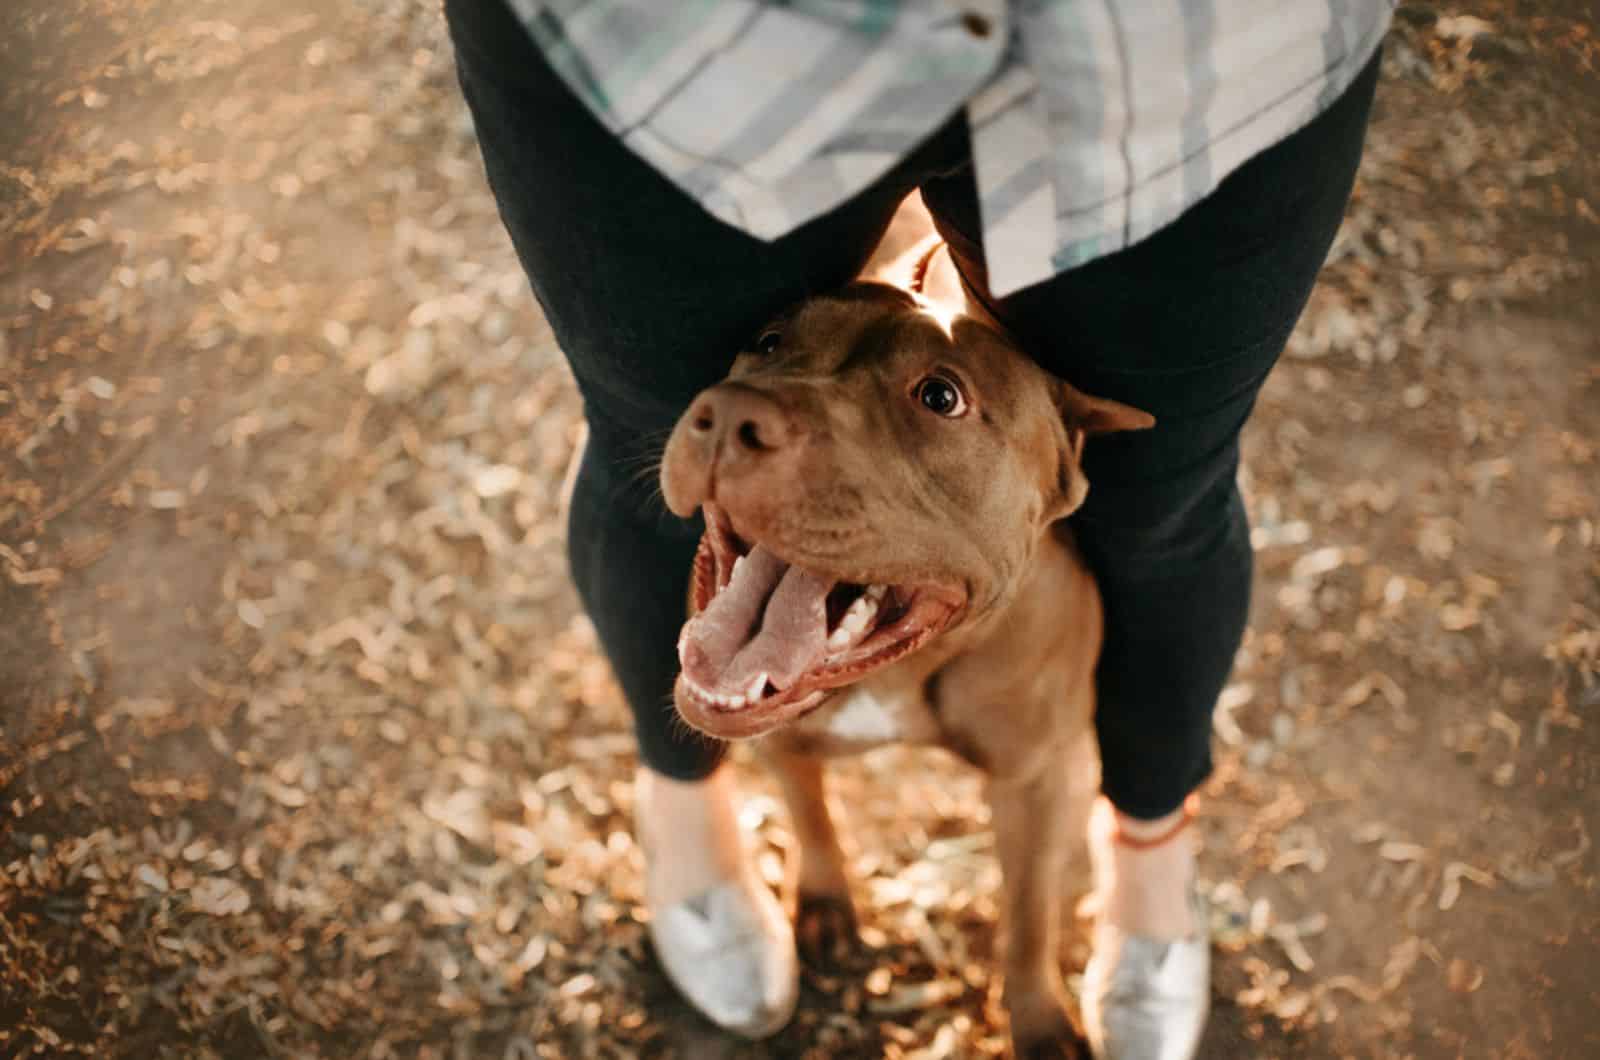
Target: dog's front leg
{"x": 825, "y": 919}
{"x": 1032, "y": 834}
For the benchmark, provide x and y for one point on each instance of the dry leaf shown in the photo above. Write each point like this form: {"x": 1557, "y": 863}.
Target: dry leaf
{"x": 219, "y": 896}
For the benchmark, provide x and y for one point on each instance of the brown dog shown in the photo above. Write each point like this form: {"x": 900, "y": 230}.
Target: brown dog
{"x": 883, "y": 483}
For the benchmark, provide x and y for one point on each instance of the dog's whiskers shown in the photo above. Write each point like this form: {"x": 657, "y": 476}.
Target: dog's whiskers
{"x": 643, "y": 466}
{"x": 683, "y": 730}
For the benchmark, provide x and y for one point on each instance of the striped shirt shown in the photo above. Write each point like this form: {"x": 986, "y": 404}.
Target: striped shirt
{"x": 1094, "y": 122}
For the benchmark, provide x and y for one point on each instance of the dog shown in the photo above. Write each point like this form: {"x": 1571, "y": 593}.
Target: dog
{"x": 884, "y": 477}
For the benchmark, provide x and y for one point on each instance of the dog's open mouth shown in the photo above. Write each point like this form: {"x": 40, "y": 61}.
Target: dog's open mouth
{"x": 769, "y": 638}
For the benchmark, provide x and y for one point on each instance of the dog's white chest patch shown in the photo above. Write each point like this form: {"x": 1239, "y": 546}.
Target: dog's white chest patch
{"x": 866, "y": 718}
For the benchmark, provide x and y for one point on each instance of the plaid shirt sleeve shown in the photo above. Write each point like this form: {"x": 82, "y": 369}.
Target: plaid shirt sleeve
{"x": 1094, "y": 122}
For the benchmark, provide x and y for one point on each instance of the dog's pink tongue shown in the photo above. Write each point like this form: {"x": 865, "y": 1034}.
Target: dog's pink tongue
{"x": 771, "y": 619}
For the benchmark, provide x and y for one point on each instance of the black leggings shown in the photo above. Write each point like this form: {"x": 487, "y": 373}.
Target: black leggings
{"x": 649, "y": 296}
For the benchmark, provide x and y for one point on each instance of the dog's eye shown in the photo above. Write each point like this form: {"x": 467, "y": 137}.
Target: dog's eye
{"x": 939, "y": 395}
{"x": 768, "y": 342}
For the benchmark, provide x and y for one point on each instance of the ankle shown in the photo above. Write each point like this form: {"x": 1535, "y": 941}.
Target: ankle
{"x": 688, "y": 830}
{"x": 1145, "y": 871}
{"x": 1146, "y": 832}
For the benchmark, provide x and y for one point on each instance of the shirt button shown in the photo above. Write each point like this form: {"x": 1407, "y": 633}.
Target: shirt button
{"x": 976, "y": 24}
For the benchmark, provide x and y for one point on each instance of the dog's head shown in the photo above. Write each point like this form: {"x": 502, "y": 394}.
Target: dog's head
{"x": 874, "y": 477}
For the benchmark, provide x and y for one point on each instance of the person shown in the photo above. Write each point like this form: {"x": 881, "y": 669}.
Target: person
{"x": 1142, "y": 193}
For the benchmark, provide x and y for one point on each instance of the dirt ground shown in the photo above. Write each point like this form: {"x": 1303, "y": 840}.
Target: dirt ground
{"x": 305, "y": 749}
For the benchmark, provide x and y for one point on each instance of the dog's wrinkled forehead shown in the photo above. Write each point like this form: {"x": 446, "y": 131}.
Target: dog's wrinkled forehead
{"x": 859, "y": 323}
{"x": 875, "y": 331}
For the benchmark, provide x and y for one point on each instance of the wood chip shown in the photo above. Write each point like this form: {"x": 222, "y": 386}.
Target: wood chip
{"x": 1394, "y": 850}
{"x": 1453, "y": 874}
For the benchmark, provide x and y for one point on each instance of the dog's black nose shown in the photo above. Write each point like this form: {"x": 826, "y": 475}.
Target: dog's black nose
{"x": 737, "y": 422}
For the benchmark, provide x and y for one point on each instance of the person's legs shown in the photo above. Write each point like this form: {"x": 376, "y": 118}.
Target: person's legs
{"x": 1184, "y": 325}
{"x": 650, "y": 298}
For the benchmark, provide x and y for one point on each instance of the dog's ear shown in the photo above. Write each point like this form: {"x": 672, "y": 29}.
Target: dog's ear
{"x": 1084, "y": 415}
{"x": 1093, "y": 415}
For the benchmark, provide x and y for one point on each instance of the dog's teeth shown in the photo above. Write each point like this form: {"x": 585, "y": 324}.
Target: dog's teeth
{"x": 736, "y": 561}
{"x": 757, "y": 686}
{"x": 860, "y": 613}
{"x": 853, "y": 623}
{"x": 876, "y": 591}
{"x": 720, "y": 699}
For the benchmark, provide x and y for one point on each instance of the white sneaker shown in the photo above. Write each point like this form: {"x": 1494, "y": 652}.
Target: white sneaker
{"x": 730, "y": 951}
{"x": 728, "y": 947}
{"x": 1146, "y": 999}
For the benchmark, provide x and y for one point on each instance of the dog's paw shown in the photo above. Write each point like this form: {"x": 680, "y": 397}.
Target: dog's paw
{"x": 1041, "y": 1029}
{"x": 825, "y": 929}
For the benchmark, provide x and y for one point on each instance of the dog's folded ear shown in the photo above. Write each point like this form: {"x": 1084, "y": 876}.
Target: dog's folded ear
{"x": 1083, "y": 416}
{"x": 1093, "y": 415}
